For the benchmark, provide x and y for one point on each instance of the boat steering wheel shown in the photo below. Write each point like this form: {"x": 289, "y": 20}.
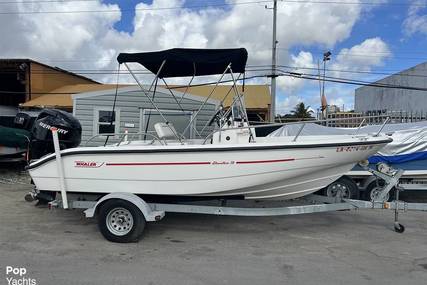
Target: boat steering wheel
{"x": 219, "y": 114}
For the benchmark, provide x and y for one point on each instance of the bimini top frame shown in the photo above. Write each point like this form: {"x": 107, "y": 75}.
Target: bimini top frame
{"x": 180, "y": 62}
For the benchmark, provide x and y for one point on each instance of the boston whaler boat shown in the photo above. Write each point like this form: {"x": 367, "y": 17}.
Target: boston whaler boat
{"x": 230, "y": 162}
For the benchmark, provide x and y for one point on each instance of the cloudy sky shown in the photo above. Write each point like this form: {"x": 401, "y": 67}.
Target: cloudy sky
{"x": 368, "y": 39}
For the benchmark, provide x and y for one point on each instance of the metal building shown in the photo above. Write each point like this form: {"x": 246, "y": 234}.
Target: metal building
{"x": 369, "y": 99}
{"x": 135, "y": 113}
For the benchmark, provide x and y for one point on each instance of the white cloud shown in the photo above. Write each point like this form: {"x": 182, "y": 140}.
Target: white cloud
{"x": 362, "y": 57}
{"x": 91, "y": 41}
{"x": 55, "y": 36}
{"x": 416, "y": 22}
{"x": 291, "y": 85}
{"x": 340, "y": 96}
{"x": 288, "y": 103}
{"x": 91, "y": 35}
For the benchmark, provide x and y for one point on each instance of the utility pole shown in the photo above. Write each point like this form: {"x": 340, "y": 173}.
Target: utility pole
{"x": 273, "y": 66}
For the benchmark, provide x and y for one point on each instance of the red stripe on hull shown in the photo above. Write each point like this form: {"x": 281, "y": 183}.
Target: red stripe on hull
{"x": 157, "y": 163}
{"x": 195, "y": 163}
{"x": 265, "y": 161}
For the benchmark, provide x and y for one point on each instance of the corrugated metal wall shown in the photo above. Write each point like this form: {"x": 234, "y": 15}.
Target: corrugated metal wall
{"x": 129, "y": 105}
{"x": 369, "y": 98}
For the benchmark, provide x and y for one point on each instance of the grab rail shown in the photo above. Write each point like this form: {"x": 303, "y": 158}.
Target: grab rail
{"x": 294, "y": 123}
{"x": 303, "y": 123}
{"x": 123, "y": 135}
{"x": 382, "y": 127}
{"x": 360, "y": 125}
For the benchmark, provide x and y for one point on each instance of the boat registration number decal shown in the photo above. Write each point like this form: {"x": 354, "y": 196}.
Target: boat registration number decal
{"x": 87, "y": 164}
{"x": 353, "y": 148}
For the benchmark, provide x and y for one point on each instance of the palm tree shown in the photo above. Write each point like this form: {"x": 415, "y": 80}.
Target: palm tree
{"x": 301, "y": 111}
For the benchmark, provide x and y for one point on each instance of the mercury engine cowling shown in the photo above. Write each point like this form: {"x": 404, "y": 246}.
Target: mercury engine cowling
{"x": 23, "y": 121}
{"x": 69, "y": 132}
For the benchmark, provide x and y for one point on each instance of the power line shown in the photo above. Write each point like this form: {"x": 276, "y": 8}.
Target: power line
{"x": 250, "y": 69}
{"x": 358, "y": 72}
{"x": 213, "y": 5}
{"x": 286, "y": 74}
{"x": 350, "y": 81}
{"x": 372, "y": 54}
{"x": 394, "y": 72}
{"x": 45, "y": 1}
{"x": 368, "y": 3}
{"x": 139, "y": 9}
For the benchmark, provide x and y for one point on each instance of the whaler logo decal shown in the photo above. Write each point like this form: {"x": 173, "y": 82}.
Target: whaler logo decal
{"x": 88, "y": 164}
{"x": 49, "y": 127}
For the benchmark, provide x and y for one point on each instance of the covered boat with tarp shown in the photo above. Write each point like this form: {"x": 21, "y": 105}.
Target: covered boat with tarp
{"x": 407, "y": 151}
{"x": 14, "y": 141}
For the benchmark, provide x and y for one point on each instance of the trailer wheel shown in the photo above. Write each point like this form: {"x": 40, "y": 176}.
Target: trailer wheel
{"x": 399, "y": 228}
{"x": 344, "y": 188}
{"x": 120, "y": 221}
{"x": 373, "y": 190}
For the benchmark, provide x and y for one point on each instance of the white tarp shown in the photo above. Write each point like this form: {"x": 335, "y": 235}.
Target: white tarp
{"x": 408, "y": 138}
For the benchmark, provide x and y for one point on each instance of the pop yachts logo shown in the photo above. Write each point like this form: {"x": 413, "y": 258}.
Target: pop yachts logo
{"x": 88, "y": 164}
{"x": 18, "y": 276}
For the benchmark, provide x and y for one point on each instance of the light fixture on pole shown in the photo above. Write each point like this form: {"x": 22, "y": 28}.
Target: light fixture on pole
{"x": 326, "y": 57}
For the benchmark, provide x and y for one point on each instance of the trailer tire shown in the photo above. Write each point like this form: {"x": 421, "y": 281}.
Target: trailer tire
{"x": 373, "y": 187}
{"x": 399, "y": 228}
{"x": 345, "y": 185}
{"x": 121, "y": 221}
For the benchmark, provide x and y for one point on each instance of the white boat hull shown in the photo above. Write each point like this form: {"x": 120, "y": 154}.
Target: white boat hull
{"x": 277, "y": 169}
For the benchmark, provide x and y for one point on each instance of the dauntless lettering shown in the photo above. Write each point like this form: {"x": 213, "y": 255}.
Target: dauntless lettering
{"x": 222, "y": 162}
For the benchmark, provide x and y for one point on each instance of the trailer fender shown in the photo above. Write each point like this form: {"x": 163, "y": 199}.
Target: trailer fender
{"x": 149, "y": 214}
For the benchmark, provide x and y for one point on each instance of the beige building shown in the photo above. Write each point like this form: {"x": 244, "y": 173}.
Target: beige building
{"x": 257, "y": 97}
{"x": 22, "y": 80}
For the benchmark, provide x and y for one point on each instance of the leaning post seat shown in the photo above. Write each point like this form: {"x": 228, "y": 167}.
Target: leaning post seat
{"x": 165, "y": 131}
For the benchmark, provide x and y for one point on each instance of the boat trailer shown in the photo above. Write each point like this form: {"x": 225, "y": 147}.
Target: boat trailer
{"x": 122, "y": 213}
{"x": 122, "y": 216}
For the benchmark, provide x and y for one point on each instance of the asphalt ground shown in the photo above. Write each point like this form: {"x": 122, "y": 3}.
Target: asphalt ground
{"x": 345, "y": 247}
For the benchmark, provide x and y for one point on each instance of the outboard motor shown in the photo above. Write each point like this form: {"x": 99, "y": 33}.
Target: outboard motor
{"x": 22, "y": 121}
{"x": 69, "y": 135}
{"x": 69, "y": 132}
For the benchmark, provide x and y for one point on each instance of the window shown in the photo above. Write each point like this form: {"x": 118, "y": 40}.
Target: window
{"x": 103, "y": 123}
{"x": 179, "y": 120}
